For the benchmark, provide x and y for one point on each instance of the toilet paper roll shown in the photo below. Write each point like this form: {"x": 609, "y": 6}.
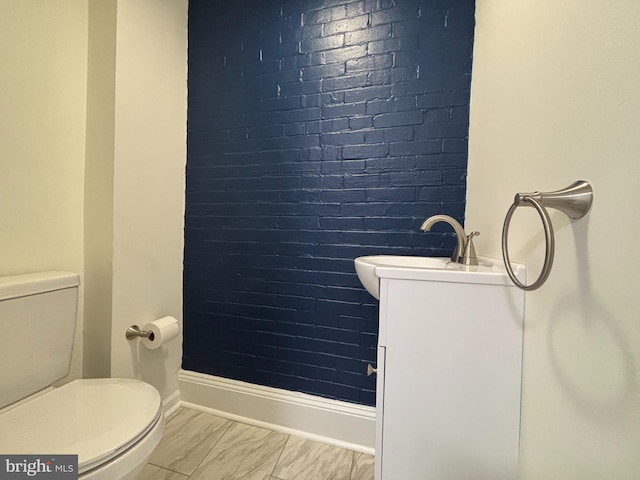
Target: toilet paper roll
{"x": 162, "y": 331}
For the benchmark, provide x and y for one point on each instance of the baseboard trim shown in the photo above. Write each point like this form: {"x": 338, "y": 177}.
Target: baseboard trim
{"x": 171, "y": 403}
{"x": 335, "y": 422}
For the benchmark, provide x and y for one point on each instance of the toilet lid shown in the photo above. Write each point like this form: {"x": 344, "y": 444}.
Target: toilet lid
{"x": 96, "y": 419}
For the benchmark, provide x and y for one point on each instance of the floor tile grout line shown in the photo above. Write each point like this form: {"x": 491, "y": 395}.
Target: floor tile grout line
{"x": 275, "y": 465}
{"x": 169, "y": 469}
{"x": 353, "y": 464}
{"x": 226, "y": 430}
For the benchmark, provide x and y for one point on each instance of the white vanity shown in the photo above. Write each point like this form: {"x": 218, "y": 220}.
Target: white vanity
{"x": 449, "y": 368}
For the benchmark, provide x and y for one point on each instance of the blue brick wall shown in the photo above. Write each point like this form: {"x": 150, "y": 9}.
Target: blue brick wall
{"x": 318, "y": 131}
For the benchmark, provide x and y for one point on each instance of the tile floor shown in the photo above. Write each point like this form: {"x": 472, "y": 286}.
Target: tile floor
{"x": 199, "y": 446}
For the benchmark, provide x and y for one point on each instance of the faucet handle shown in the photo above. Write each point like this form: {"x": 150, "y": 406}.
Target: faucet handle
{"x": 469, "y": 253}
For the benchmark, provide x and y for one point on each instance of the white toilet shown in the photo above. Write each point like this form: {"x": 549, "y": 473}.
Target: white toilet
{"x": 113, "y": 425}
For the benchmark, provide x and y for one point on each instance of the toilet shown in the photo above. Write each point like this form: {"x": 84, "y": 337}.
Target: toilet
{"x": 113, "y": 425}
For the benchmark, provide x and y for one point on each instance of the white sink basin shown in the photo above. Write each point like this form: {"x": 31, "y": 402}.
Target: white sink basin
{"x": 436, "y": 269}
{"x": 366, "y": 268}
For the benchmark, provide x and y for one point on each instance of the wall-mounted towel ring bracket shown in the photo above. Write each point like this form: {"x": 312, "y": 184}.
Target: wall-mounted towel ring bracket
{"x": 575, "y": 201}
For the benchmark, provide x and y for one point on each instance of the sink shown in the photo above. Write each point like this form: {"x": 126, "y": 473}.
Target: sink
{"x": 436, "y": 269}
{"x": 366, "y": 268}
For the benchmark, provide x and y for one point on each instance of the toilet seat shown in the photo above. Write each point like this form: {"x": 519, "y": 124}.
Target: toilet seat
{"x": 97, "y": 419}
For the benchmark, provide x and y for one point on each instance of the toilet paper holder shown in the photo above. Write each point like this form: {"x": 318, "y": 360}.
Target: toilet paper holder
{"x": 134, "y": 331}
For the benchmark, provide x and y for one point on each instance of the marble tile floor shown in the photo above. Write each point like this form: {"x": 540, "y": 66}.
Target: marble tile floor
{"x": 200, "y": 446}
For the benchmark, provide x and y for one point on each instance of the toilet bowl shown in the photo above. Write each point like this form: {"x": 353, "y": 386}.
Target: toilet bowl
{"x": 112, "y": 425}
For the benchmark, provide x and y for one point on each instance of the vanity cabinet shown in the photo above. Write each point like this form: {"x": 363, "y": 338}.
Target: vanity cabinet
{"x": 449, "y": 374}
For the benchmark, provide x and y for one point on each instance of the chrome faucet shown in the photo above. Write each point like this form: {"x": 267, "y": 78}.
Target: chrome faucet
{"x": 464, "y": 252}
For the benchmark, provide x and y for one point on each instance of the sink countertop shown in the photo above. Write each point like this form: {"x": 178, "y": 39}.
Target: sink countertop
{"x": 489, "y": 270}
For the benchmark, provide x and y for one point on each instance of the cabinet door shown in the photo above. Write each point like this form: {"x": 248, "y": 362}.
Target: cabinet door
{"x": 451, "y": 381}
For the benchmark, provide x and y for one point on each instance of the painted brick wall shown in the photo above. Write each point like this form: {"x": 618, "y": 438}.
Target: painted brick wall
{"x": 318, "y": 131}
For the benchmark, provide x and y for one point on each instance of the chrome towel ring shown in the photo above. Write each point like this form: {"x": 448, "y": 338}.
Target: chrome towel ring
{"x": 574, "y": 200}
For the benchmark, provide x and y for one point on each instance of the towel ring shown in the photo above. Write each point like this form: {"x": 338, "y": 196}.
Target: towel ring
{"x": 574, "y": 200}
{"x": 549, "y": 241}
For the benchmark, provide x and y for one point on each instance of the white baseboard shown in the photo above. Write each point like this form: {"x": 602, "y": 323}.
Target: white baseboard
{"x": 171, "y": 403}
{"x": 330, "y": 421}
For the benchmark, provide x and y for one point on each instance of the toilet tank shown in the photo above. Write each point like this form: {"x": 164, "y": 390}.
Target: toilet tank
{"x": 37, "y": 327}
